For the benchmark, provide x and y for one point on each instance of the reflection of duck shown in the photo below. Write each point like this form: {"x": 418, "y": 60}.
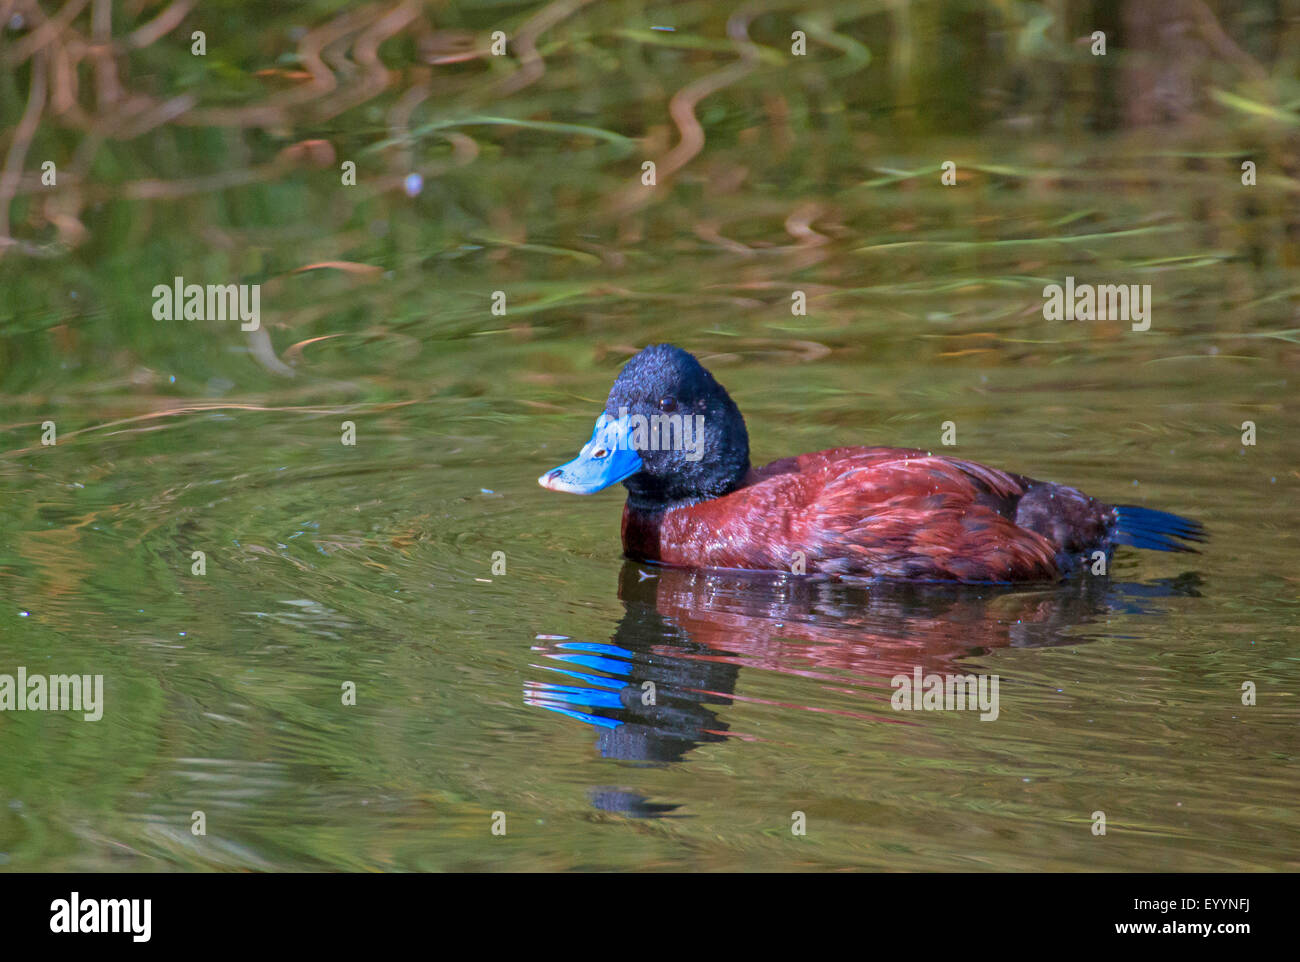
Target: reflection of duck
{"x": 840, "y": 631}
{"x": 689, "y": 632}
{"x": 649, "y": 692}
{"x": 677, "y": 441}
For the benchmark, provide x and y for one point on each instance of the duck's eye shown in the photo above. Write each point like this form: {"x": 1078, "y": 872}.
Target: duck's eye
{"x": 667, "y": 404}
{"x": 600, "y": 453}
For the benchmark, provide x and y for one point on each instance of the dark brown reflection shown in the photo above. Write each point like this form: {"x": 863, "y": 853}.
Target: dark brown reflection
{"x": 653, "y": 691}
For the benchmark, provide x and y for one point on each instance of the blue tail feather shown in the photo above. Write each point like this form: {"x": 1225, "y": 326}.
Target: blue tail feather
{"x": 1155, "y": 530}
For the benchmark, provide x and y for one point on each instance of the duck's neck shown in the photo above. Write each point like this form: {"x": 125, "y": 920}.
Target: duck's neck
{"x": 652, "y": 494}
{"x": 681, "y": 475}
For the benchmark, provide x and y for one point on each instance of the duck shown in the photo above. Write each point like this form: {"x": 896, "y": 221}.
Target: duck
{"x": 675, "y": 439}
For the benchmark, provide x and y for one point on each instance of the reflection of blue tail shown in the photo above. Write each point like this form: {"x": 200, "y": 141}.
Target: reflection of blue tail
{"x": 1155, "y": 530}
{"x": 1143, "y": 598}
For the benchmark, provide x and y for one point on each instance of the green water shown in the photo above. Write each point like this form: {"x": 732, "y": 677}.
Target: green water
{"x": 377, "y": 563}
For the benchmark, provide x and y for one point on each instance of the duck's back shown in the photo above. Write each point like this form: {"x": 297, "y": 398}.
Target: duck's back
{"x": 881, "y": 513}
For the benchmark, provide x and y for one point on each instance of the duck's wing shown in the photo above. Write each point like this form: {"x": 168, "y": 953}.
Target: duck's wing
{"x": 908, "y": 514}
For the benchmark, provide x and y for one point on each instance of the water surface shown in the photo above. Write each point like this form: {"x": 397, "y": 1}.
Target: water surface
{"x": 481, "y": 691}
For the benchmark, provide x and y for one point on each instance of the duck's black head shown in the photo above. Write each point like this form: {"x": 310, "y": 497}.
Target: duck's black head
{"x": 670, "y": 433}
